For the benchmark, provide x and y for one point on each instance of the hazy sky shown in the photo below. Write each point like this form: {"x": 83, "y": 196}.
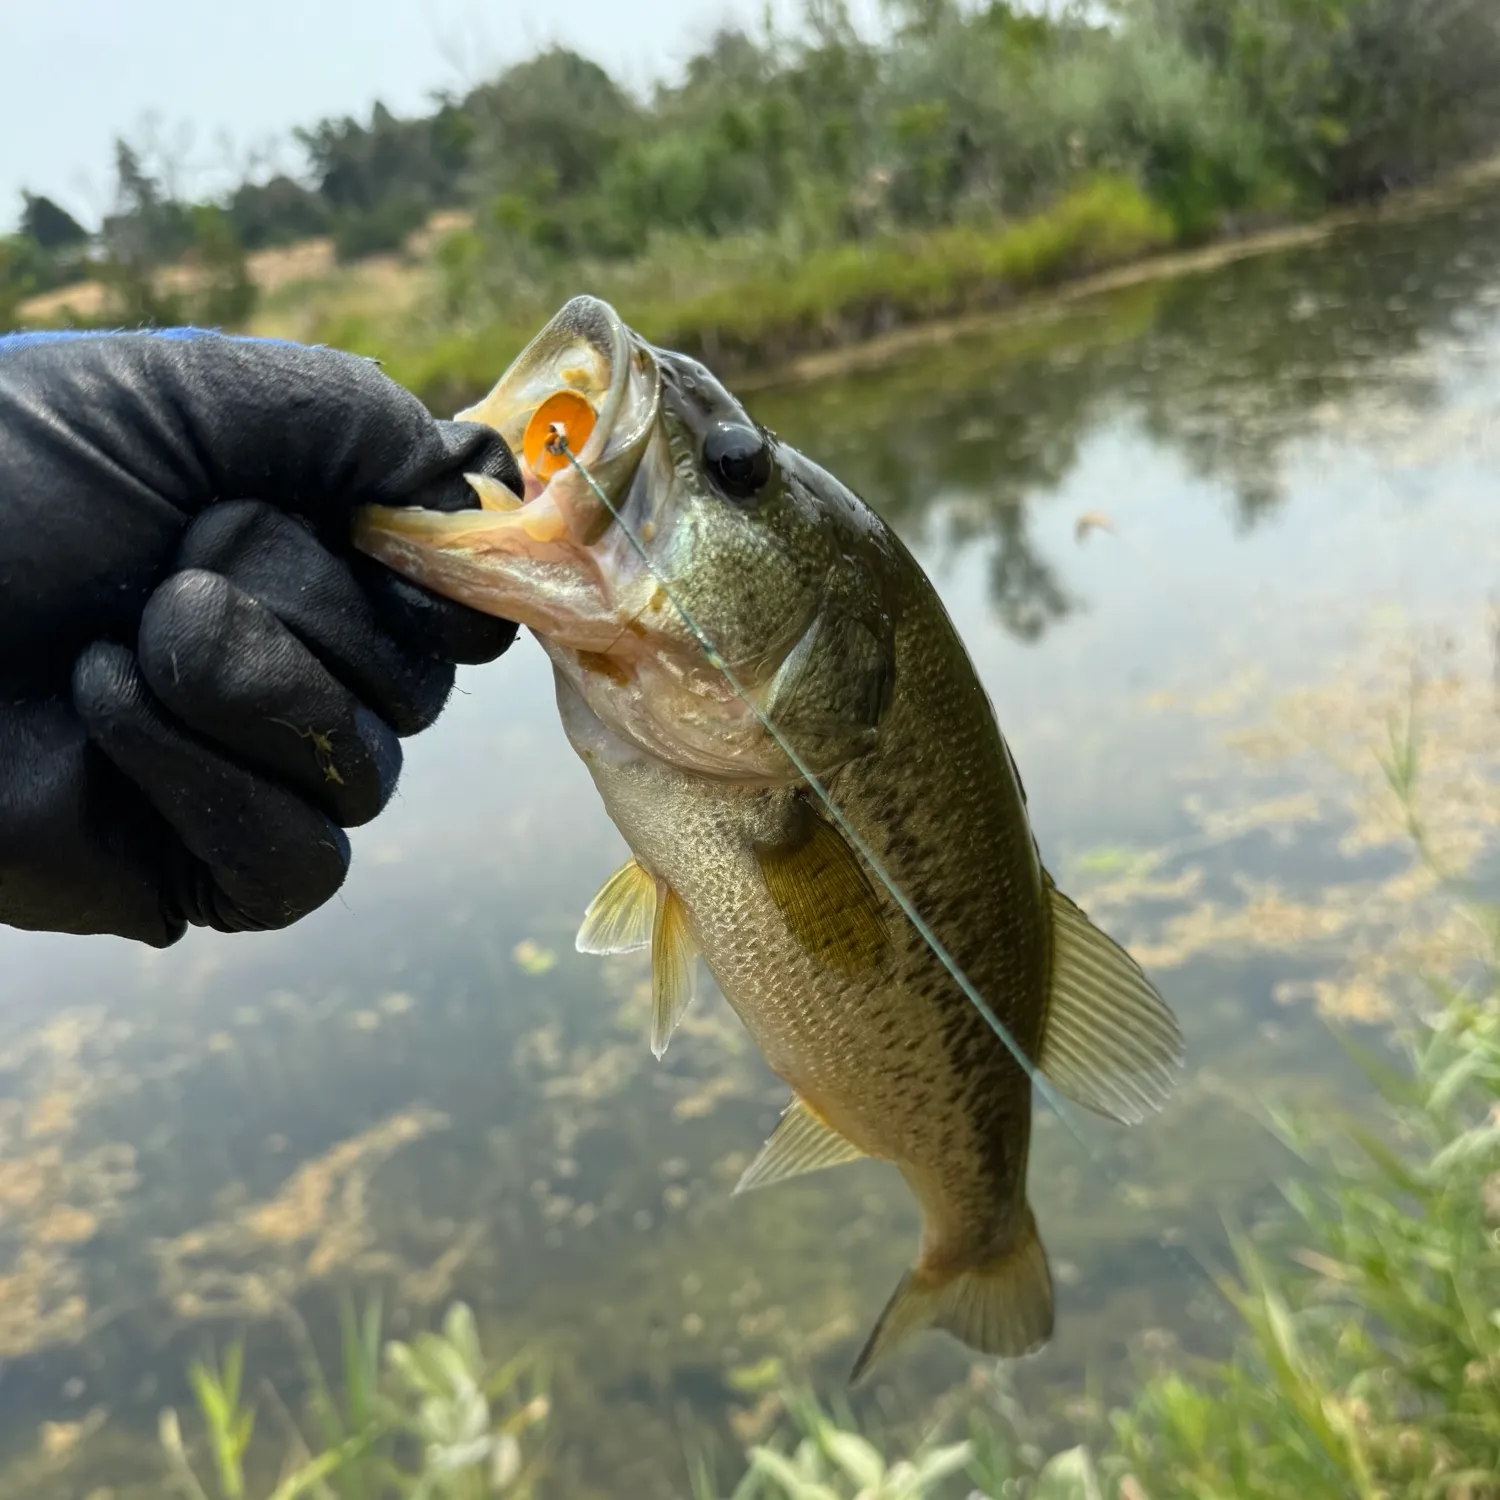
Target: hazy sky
{"x": 78, "y": 72}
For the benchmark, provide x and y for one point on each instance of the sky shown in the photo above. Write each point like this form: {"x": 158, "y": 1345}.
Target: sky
{"x": 218, "y": 82}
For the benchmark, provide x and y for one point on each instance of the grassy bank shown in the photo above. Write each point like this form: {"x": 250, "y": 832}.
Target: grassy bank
{"x": 743, "y": 314}
{"x": 757, "y": 307}
{"x": 761, "y": 310}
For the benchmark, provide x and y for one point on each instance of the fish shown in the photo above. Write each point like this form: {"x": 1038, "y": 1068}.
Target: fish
{"x": 732, "y": 632}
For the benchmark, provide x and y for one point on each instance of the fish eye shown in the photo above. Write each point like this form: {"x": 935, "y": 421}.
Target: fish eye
{"x": 739, "y": 460}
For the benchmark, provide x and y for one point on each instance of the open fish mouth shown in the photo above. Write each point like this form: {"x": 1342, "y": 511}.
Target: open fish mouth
{"x": 584, "y": 386}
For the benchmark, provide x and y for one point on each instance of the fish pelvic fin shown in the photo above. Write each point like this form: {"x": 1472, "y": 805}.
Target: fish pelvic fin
{"x": 1109, "y": 1042}
{"x": 1002, "y": 1308}
{"x": 802, "y": 1142}
{"x": 619, "y": 919}
{"x": 674, "y": 958}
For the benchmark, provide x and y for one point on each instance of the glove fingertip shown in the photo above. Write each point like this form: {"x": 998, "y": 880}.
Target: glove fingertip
{"x": 471, "y": 448}
{"x": 104, "y": 679}
{"x": 440, "y": 628}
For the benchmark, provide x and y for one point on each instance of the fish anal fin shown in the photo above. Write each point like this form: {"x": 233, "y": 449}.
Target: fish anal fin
{"x": 619, "y": 919}
{"x": 827, "y": 901}
{"x": 673, "y": 965}
{"x": 802, "y": 1142}
{"x": 1109, "y": 1043}
{"x": 1003, "y": 1308}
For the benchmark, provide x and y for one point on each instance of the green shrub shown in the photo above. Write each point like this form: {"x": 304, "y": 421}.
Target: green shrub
{"x": 1352, "y": 96}
{"x": 361, "y": 232}
{"x": 1371, "y": 1361}
{"x": 435, "y": 1419}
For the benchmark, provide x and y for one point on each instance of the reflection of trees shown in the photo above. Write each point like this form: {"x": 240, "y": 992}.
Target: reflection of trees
{"x": 1024, "y": 586}
{"x": 1258, "y": 355}
{"x": 1228, "y": 370}
{"x": 967, "y": 453}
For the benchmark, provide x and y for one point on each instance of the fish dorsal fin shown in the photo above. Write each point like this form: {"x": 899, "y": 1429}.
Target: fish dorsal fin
{"x": 800, "y": 1143}
{"x": 826, "y": 899}
{"x": 1109, "y": 1042}
{"x": 673, "y": 964}
{"x": 619, "y": 918}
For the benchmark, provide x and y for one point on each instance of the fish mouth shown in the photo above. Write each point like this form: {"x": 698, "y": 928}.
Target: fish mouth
{"x": 535, "y": 558}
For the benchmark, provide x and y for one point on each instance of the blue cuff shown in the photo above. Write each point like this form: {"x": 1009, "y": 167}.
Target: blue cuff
{"x": 11, "y": 342}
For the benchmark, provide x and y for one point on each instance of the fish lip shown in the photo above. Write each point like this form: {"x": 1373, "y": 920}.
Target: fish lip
{"x": 504, "y": 564}
{"x": 488, "y": 558}
{"x": 585, "y": 347}
{"x": 584, "y": 335}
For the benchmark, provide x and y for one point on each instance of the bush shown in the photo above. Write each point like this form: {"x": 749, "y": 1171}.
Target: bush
{"x": 1371, "y": 1363}
{"x": 361, "y": 232}
{"x": 1353, "y": 96}
{"x": 278, "y": 212}
{"x": 23, "y": 272}
{"x": 1141, "y": 104}
{"x": 227, "y": 296}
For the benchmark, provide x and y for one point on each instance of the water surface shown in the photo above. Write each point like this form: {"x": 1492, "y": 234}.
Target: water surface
{"x": 423, "y": 1089}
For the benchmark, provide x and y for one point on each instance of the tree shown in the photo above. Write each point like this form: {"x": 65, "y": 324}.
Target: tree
{"x": 557, "y": 118}
{"x": 148, "y": 226}
{"x": 278, "y": 212}
{"x": 51, "y": 226}
{"x": 227, "y": 295}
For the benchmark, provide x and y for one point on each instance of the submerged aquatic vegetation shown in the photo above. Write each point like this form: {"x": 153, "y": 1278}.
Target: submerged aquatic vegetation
{"x": 1368, "y": 1362}
{"x": 254, "y": 1262}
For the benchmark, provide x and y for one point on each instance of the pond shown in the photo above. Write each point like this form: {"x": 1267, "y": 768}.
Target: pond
{"x": 1285, "y": 472}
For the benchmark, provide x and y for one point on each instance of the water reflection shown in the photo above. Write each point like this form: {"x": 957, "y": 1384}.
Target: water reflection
{"x": 423, "y": 1088}
{"x": 1227, "y": 371}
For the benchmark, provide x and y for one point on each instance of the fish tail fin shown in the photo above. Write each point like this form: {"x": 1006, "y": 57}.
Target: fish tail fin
{"x": 1003, "y": 1307}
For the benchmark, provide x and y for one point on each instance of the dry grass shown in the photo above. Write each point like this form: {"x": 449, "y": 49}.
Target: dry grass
{"x": 307, "y": 271}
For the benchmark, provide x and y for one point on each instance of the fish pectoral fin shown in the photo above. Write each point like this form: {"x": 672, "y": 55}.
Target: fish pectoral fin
{"x": 801, "y": 1143}
{"x": 1109, "y": 1041}
{"x": 825, "y": 897}
{"x": 673, "y": 964}
{"x": 620, "y": 917}
{"x": 1003, "y": 1308}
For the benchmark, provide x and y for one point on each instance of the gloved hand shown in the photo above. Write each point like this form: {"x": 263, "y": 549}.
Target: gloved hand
{"x": 201, "y": 684}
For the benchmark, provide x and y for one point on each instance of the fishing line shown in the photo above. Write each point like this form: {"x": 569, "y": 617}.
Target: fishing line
{"x": 804, "y": 770}
{"x": 559, "y": 443}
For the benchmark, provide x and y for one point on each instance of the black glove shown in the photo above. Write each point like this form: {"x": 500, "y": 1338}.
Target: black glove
{"x": 201, "y": 685}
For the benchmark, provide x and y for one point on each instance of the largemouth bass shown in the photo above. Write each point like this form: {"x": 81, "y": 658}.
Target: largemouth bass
{"x": 704, "y": 526}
